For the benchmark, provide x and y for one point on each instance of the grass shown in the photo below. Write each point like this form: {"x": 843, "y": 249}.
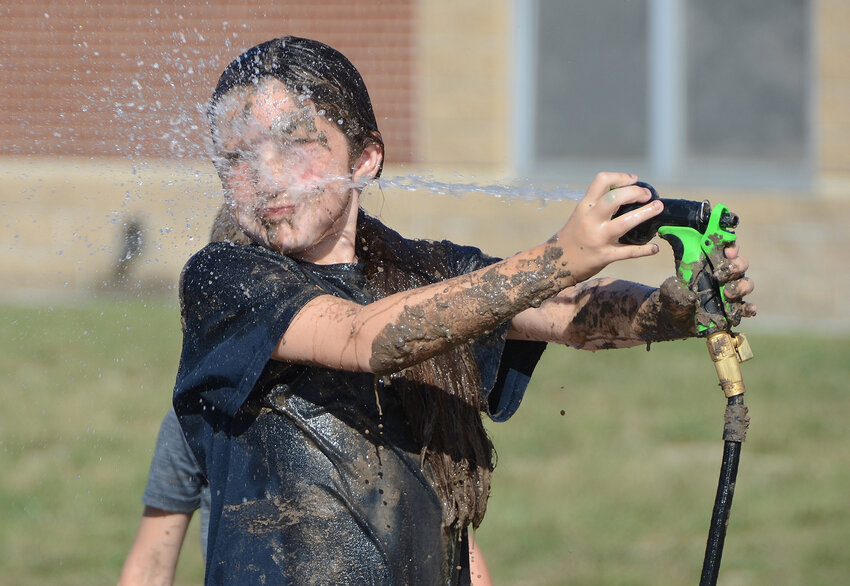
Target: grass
{"x": 606, "y": 474}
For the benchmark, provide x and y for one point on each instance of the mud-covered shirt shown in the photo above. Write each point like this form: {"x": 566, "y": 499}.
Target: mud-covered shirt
{"x": 314, "y": 475}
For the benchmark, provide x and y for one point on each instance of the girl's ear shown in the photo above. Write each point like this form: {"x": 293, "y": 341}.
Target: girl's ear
{"x": 369, "y": 164}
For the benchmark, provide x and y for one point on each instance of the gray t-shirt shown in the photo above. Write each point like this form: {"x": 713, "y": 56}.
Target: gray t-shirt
{"x": 175, "y": 482}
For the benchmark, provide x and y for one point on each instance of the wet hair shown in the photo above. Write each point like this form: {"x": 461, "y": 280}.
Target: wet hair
{"x": 314, "y": 70}
{"x": 225, "y": 229}
{"x": 441, "y": 396}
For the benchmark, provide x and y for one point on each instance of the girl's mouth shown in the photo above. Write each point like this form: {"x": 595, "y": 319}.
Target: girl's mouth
{"x": 276, "y": 212}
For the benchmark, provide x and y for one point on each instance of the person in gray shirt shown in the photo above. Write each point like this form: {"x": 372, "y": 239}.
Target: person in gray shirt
{"x": 174, "y": 491}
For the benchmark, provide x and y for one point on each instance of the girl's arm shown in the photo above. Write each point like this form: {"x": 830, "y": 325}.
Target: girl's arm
{"x": 408, "y": 327}
{"x": 156, "y": 549}
{"x": 607, "y": 313}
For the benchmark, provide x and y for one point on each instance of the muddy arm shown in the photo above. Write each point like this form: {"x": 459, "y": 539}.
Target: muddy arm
{"x": 607, "y": 313}
{"x": 406, "y": 328}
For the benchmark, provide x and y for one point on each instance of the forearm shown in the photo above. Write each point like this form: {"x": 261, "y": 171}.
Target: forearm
{"x": 620, "y": 314}
{"x": 431, "y": 320}
{"x": 411, "y": 326}
{"x": 153, "y": 557}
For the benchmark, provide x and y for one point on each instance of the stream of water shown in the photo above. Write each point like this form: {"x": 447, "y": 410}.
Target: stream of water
{"x": 519, "y": 189}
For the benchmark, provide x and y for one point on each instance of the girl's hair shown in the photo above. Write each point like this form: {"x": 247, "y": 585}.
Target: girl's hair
{"x": 441, "y": 396}
{"x": 315, "y": 71}
{"x": 224, "y": 229}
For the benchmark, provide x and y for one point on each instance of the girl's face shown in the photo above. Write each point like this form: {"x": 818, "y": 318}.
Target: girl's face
{"x": 286, "y": 172}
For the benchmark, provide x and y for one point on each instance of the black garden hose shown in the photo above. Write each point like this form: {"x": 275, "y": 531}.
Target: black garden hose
{"x": 733, "y": 435}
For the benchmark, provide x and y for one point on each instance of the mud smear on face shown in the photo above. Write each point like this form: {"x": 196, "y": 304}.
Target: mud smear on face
{"x": 466, "y": 309}
{"x": 292, "y": 139}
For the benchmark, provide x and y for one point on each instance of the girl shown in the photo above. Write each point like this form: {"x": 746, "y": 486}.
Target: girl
{"x": 333, "y": 373}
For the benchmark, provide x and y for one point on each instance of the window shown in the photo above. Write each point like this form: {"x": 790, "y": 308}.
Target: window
{"x": 714, "y": 92}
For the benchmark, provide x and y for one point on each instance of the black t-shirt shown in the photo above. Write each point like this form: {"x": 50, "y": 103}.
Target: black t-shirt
{"x": 314, "y": 475}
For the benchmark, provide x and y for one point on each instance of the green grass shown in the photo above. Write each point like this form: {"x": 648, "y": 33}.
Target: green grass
{"x": 606, "y": 475}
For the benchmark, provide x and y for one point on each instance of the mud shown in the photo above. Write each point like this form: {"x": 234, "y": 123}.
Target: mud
{"x": 616, "y": 314}
{"x": 269, "y": 518}
{"x": 467, "y": 307}
{"x": 724, "y": 270}
{"x": 736, "y": 423}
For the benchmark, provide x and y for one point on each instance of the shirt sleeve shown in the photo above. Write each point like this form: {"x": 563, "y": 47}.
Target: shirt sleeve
{"x": 174, "y": 482}
{"x": 505, "y": 365}
{"x": 236, "y": 303}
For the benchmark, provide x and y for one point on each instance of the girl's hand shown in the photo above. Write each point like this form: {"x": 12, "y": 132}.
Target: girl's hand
{"x": 730, "y": 272}
{"x": 590, "y": 238}
{"x": 678, "y": 302}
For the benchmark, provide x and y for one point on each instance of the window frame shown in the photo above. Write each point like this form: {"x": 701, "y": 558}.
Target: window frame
{"x": 667, "y": 160}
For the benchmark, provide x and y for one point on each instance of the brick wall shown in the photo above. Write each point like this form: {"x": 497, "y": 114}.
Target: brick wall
{"x": 129, "y": 78}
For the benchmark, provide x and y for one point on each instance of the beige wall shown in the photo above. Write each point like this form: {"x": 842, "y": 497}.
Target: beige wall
{"x": 464, "y": 89}
{"x": 64, "y": 218}
{"x": 62, "y": 226}
{"x": 832, "y": 22}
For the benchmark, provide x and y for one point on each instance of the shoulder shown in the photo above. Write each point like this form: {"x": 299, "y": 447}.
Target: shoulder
{"x": 170, "y": 427}
{"x": 464, "y": 259}
{"x": 220, "y": 265}
{"x": 234, "y": 255}
{"x": 172, "y": 452}
{"x": 457, "y": 259}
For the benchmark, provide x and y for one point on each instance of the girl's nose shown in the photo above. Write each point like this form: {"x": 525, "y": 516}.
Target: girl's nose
{"x": 271, "y": 174}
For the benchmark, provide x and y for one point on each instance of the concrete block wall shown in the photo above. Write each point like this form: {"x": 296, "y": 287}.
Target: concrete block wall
{"x": 63, "y": 223}
{"x": 464, "y": 93}
{"x": 60, "y": 237}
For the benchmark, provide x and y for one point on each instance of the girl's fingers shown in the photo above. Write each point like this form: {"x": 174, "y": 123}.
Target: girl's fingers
{"x": 738, "y": 288}
{"x": 740, "y": 309}
{"x": 731, "y": 268}
{"x": 624, "y": 223}
{"x": 637, "y": 251}
{"x": 603, "y": 183}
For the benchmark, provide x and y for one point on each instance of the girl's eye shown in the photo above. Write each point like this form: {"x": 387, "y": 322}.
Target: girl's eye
{"x": 295, "y": 143}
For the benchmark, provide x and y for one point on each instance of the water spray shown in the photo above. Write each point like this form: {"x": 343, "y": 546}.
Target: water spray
{"x": 698, "y": 235}
{"x": 517, "y": 190}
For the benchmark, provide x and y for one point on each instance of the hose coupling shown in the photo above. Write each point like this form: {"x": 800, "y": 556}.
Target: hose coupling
{"x": 727, "y": 351}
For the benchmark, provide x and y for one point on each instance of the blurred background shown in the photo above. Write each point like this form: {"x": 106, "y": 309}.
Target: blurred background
{"x": 496, "y": 114}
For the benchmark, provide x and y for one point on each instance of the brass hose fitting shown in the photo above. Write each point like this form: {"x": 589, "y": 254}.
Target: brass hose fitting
{"x": 727, "y": 351}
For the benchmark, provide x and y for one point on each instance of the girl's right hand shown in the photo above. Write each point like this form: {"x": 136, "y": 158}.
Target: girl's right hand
{"x": 590, "y": 238}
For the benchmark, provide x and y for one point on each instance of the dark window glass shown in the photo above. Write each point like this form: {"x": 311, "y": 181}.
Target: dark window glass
{"x": 746, "y": 78}
{"x": 591, "y": 79}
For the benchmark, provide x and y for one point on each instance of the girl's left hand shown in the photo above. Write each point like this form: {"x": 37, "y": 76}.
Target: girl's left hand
{"x": 730, "y": 272}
